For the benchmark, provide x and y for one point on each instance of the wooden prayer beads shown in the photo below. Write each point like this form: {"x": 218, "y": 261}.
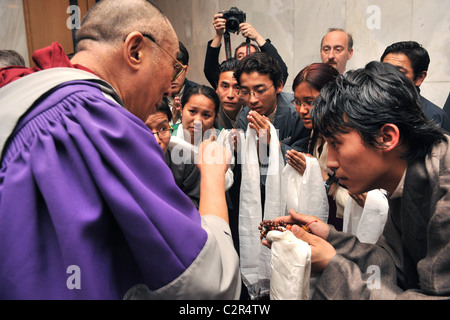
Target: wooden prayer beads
{"x": 269, "y": 225}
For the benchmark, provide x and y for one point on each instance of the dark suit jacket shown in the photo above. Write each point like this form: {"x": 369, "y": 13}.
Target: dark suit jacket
{"x": 435, "y": 113}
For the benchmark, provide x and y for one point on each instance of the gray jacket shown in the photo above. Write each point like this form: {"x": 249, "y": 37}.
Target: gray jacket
{"x": 411, "y": 260}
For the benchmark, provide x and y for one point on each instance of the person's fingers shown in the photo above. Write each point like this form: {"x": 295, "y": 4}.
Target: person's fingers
{"x": 260, "y": 120}
{"x": 304, "y": 235}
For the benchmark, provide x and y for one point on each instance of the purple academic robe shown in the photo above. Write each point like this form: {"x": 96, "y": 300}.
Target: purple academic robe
{"x": 88, "y": 206}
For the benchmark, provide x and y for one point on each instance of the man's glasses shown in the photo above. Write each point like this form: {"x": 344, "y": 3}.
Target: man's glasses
{"x": 178, "y": 67}
{"x": 298, "y": 103}
{"x": 163, "y": 133}
{"x": 245, "y": 94}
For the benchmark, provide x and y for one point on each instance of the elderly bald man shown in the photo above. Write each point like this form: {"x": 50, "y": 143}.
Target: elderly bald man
{"x": 89, "y": 209}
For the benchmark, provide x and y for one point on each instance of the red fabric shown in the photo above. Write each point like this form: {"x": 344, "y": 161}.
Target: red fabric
{"x": 49, "y": 57}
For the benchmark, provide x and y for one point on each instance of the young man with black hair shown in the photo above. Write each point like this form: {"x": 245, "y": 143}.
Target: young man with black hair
{"x": 378, "y": 137}
{"x": 228, "y": 91}
{"x": 261, "y": 85}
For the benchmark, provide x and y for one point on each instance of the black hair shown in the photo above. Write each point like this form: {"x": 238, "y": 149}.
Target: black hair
{"x": 262, "y": 63}
{"x": 244, "y": 44}
{"x": 228, "y": 65}
{"x": 418, "y": 55}
{"x": 183, "y": 55}
{"x": 366, "y": 99}
{"x": 164, "y": 108}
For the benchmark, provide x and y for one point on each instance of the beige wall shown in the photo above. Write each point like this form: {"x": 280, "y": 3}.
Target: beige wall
{"x": 12, "y": 27}
{"x": 296, "y": 27}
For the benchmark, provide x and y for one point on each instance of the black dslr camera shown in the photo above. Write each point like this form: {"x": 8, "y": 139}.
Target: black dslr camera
{"x": 234, "y": 17}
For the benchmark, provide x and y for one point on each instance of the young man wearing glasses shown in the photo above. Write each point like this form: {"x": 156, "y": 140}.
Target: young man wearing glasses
{"x": 89, "y": 208}
{"x": 261, "y": 85}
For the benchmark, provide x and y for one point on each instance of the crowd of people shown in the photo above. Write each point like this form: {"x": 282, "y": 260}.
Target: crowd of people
{"x": 114, "y": 162}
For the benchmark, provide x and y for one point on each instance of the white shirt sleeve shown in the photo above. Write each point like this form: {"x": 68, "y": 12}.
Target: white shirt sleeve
{"x": 213, "y": 275}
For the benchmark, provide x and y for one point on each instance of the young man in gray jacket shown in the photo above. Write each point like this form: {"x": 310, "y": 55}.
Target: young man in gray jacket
{"x": 378, "y": 137}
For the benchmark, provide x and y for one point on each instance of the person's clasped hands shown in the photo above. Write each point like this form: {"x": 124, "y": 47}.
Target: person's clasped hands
{"x": 297, "y": 160}
{"x": 261, "y": 124}
{"x": 321, "y": 250}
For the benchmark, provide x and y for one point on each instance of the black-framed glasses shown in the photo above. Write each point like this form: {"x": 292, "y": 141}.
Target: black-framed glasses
{"x": 245, "y": 94}
{"x": 164, "y": 132}
{"x": 178, "y": 67}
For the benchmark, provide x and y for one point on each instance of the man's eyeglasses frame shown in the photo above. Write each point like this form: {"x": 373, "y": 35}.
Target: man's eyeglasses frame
{"x": 178, "y": 67}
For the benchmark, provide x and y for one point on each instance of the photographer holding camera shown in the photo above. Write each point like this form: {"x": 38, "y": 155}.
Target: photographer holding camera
{"x": 226, "y": 22}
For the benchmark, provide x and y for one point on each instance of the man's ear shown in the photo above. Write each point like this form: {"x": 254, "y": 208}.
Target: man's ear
{"x": 420, "y": 78}
{"x": 133, "y": 48}
{"x": 280, "y": 87}
{"x": 389, "y": 137}
{"x": 350, "y": 55}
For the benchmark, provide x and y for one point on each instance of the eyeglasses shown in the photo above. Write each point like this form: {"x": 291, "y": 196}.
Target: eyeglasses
{"x": 298, "y": 103}
{"x": 178, "y": 67}
{"x": 245, "y": 94}
{"x": 164, "y": 132}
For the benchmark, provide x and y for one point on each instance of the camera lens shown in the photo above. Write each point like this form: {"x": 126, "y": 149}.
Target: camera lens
{"x": 232, "y": 25}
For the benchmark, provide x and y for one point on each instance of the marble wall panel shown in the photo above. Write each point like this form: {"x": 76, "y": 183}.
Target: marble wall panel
{"x": 426, "y": 22}
{"x": 312, "y": 19}
{"x": 375, "y": 24}
{"x": 12, "y": 28}
{"x": 431, "y": 27}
